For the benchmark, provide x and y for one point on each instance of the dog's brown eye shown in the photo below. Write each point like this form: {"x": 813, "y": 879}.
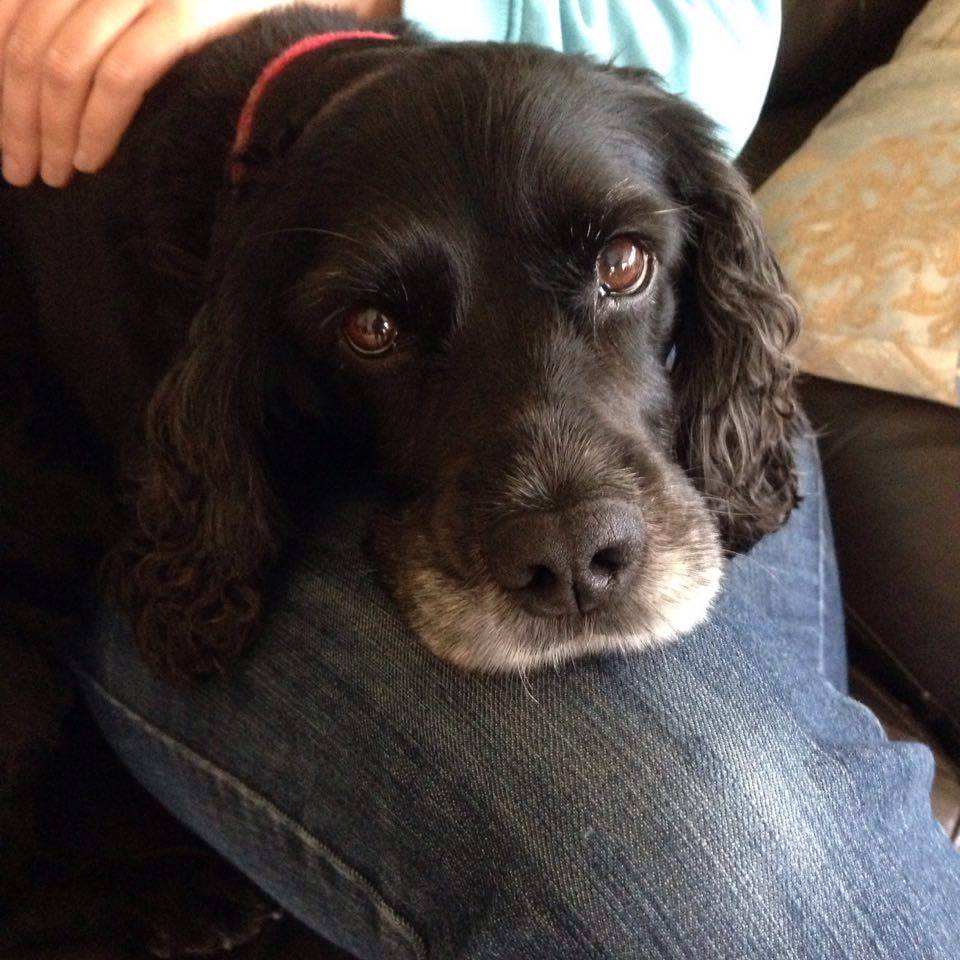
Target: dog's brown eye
{"x": 369, "y": 331}
{"x": 624, "y": 267}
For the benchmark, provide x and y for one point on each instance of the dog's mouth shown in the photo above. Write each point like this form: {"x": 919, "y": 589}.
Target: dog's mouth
{"x": 543, "y": 587}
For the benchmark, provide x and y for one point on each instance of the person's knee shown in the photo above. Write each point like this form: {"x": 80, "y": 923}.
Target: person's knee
{"x": 729, "y": 839}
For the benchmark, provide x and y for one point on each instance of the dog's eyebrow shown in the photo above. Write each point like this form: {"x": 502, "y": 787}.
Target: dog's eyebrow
{"x": 631, "y": 201}
{"x": 624, "y": 208}
{"x": 403, "y": 269}
{"x": 358, "y": 273}
{"x": 590, "y": 203}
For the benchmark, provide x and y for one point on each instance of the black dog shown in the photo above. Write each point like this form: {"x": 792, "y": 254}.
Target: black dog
{"x": 531, "y": 290}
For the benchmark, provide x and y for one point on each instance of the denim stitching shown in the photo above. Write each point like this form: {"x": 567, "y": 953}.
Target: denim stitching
{"x": 249, "y": 795}
{"x": 821, "y": 506}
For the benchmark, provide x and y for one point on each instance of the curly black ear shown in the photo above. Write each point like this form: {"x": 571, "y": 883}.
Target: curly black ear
{"x": 734, "y": 379}
{"x": 204, "y": 525}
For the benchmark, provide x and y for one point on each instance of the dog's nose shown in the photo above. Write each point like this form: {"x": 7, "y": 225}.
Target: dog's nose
{"x": 568, "y": 561}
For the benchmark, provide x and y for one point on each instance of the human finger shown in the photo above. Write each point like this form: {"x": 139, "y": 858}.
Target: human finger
{"x": 26, "y": 44}
{"x": 70, "y": 64}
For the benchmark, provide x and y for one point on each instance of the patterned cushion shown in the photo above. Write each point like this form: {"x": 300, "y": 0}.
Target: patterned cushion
{"x": 865, "y": 218}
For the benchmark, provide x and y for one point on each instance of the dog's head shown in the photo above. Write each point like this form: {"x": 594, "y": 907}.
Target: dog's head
{"x": 540, "y": 296}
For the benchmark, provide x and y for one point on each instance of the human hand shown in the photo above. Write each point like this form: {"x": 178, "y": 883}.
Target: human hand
{"x": 74, "y": 72}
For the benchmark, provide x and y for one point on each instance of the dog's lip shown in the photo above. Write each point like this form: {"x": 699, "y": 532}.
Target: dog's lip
{"x": 570, "y": 625}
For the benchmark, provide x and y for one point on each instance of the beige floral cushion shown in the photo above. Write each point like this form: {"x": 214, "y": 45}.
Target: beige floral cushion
{"x": 865, "y": 218}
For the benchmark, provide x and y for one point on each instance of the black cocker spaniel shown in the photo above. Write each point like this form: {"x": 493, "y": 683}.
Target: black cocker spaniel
{"x": 529, "y": 291}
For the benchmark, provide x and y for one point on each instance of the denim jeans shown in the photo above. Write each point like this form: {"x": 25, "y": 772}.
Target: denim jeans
{"x": 720, "y": 797}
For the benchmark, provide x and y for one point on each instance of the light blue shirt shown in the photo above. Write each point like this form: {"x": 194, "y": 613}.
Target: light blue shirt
{"x": 717, "y": 53}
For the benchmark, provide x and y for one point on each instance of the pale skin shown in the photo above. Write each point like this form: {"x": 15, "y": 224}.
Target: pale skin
{"x": 74, "y": 72}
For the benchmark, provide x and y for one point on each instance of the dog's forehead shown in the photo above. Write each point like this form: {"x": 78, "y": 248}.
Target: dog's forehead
{"x": 487, "y": 128}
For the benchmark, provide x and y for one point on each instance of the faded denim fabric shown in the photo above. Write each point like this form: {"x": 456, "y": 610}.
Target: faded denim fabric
{"x": 717, "y": 799}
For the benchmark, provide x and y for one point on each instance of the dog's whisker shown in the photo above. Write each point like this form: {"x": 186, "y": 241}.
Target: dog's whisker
{"x": 270, "y": 234}
{"x": 775, "y": 573}
{"x": 677, "y": 208}
{"x": 527, "y": 688}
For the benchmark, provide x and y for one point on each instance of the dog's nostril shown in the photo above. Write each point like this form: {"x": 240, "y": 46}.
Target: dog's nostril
{"x": 609, "y": 561}
{"x": 542, "y": 579}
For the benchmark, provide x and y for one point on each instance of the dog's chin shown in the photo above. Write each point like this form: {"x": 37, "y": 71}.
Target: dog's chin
{"x": 474, "y": 624}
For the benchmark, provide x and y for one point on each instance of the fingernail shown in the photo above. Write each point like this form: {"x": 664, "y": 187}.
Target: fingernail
{"x": 14, "y": 172}
{"x": 83, "y": 161}
{"x": 54, "y": 174}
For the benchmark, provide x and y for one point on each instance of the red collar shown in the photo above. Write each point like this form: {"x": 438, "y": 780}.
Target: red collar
{"x": 272, "y": 70}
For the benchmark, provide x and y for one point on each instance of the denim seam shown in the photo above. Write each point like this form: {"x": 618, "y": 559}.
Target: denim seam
{"x": 821, "y": 495}
{"x": 223, "y": 777}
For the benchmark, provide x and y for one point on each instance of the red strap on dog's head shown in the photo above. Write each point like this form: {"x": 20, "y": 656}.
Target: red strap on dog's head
{"x": 273, "y": 69}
